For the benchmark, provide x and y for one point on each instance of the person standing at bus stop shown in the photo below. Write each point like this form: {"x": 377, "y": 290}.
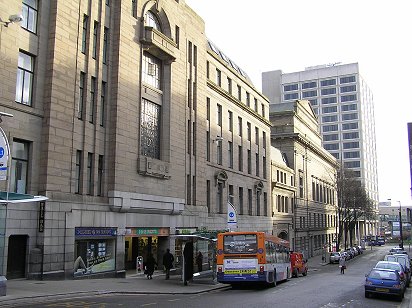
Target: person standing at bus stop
{"x": 342, "y": 264}
{"x": 168, "y": 262}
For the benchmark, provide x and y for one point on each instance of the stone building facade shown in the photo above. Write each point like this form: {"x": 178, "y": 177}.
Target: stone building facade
{"x": 134, "y": 125}
{"x": 295, "y": 132}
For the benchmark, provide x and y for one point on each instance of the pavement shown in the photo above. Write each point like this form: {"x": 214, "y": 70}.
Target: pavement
{"x": 23, "y": 291}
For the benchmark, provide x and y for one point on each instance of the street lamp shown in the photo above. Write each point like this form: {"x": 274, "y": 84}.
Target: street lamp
{"x": 400, "y": 224}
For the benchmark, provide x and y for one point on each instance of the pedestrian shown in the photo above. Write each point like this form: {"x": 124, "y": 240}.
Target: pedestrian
{"x": 150, "y": 265}
{"x": 342, "y": 264}
{"x": 199, "y": 261}
{"x": 168, "y": 262}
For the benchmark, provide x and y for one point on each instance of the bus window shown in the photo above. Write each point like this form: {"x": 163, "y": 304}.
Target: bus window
{"x": 240, "y": 243}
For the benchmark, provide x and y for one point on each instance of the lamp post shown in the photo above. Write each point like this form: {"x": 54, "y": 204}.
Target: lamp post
{"x": 400, "y": 223}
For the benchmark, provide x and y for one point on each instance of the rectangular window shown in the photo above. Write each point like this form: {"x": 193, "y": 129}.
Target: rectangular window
{"x": 207, "y": 70}
{"x": 264, "y": 140}
{"x": 19, "y": 166}
{"x": 290, "y": 87}
{"x": 241, "y": 201}
{"x": 345, "y": 89}
{"x": 326, "y": 119}
{"x": 258, "y": 203}
{"x": 330, "y": 128}
{"x": 219, "y": 152}
{"x": 351, "y": 145}
{"x": 329, "y": 100}
{"x": 257, "y": 164}
{"x": 208, "y": 108}
{"x": 256, "y": 104}
{"x": 347, "y": 79}
{"x": 177, "y": 40}
{"x": 330, "y": 109}
{"x": 355, "y": 154}
{"x": 264, "y": 167}
{"x": 194, "y": 190}
{"x": 263, "y": 110}
{"x": 100, "y": 171}
{"x": 90, "y": 173}
{"x": 239, "y": 93}
{"x": 82, "y": 94}
{"x": 29, "y": 13}
{"x": 151, "y": 70}
{"x": 219, "y": 115}
{"x": 353, "y": 135}
{"x": 188, "y": 190}
{"x": 208, "y": 195}
{"x": 330, "y": 137}
{"x": 78, "y": 172}
{"x": 95, "y": 39}
{"x": 265, "y": 204}
{"x": 134, "y": 8}
{"x": 25, "y": 77}
{"x": 229, "y": 85}
{"x": 257, "y": 135}
{"x": 309, "y": 93}
{"x": 348, "y": 98}
{"x": 349, "y": 116}
{"x": 230, "y": 153}
{"x": 349, "y": 107}
{"x": 331, "y": 146}
{"x": 103, "y": 103}
{"x": 84, "y": 32}
{"x": 230, "y": 116}
{"x": 150, "y": 129}
{"x": 105, "y": 51}
{"x": 240, "y": 126}
{"x": 290, "y": 96}
{"x": 219, "y": 198}
{"x": 218, "y": 77}
{"x": 240, "y": 158}
{"x": 301, "y": 186}
{"x": 309, "y": 85}
{"x": 249, "y": 131}
{"x": 189, "y": 137}
{"x": 194, "y": 137}
{"x": 250, "y": 200}
{"x": 207, "y": 146}
{"x": 328, "y": 91}
{"x": 248, "y": 99}
{"x": 230, "y": 197}
{"x": 328, "y": 82}
{"x": 92, "y": 99}
{"x": 313, "y": 102}
{"x": 347, "y": 126}
{"x": 351, "y": 164}
{"x": 249, "y": 162}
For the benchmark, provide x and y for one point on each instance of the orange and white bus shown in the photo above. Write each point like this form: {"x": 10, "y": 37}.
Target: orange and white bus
{"x": 252, "y": 257}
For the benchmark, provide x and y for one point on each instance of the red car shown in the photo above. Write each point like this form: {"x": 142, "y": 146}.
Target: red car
{"x": 298, "y": 264}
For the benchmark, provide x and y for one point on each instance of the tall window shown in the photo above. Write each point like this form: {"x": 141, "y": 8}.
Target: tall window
{"x": 95, "y": 38}
{"x": 78, "y": 172}
{"x": 240, "y": 126}
{"x": 134, "y": 8}
{"x": 100, "y": 171}
{"x": 25, "y": 76}
{"x": 19, "y": 166}
{"x": 105, "y": 45}
{"x": 219, "y": 115}
{"x": 84, "y": 32}
{"x": 265, "y": 204}
{"x": 249, "y": 162}
{"x": 208, "y": 195}
{"x": 264, "y": 139}
{"x": 102, "y": 103}
{"x": 250, "y": 201}
{"x": 249, "y": 131}
{"x": 219, "y": 152}
{"x": 239, "y": 93}
{"x": 230, "y": 115}
{"x": 229, "y": 85}
{"x": 240, "y": 158}
{"x": 150, "y": 129}
{"x": 230, "y": 153}
{"x": 92, "y": 99}
{"x": 219, "y": 197}
{"x": 90, "y": 173}
{"x": 151, "y": 70}
{"x": 207, "y": 146}
{"x": 29, "y": 12}
{"x": 257, "y": 164}
{"x": 241, "y": 200}
{"x": 264, "y": 167}
{"x": 257, "y": 135}
{"x": 82, "y": 84}
{"x": 218, "y": 77}
{"x": 152, "y": 21}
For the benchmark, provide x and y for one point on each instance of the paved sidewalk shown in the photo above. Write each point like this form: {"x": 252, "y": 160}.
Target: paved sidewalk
{"x": 20, "y": 291}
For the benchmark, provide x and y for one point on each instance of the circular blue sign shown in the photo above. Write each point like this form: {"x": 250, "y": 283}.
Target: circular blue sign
{"x": 231, "y": 214}
{"x": 2, "y": 152}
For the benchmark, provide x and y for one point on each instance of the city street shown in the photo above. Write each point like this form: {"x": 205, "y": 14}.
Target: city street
{"x": 323, "y": 287}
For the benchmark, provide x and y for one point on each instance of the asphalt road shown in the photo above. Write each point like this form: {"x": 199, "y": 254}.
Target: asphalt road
{"x": 325, "y": 287}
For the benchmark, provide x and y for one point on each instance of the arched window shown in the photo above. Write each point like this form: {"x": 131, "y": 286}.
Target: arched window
{"x": 152, "y": 21}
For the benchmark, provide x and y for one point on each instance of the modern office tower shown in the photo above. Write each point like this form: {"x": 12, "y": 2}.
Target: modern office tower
{"x": 344, "y": 105}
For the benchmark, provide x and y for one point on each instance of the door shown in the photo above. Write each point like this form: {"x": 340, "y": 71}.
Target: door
{"x": 16, "y": 258}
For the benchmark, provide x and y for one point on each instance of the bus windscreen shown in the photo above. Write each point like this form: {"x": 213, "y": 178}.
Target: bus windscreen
{"x": 240, "y": 243}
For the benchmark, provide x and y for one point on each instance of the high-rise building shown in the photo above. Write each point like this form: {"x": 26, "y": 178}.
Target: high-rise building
{"x": 344, "y": 105}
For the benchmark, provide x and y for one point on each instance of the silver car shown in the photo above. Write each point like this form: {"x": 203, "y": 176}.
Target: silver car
{"x": 334, "y": 257}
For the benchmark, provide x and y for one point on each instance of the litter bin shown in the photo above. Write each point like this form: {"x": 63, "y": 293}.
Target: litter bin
{"x": 3, "y": 286}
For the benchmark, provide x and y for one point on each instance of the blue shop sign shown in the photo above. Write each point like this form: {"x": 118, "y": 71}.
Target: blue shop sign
{"x": 95, "y": 232}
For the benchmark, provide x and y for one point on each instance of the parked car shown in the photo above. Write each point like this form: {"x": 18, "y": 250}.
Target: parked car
{"x": 393, "y": 266}
{"x": 360, "y": 249}
{"x": 395, "y": 250}
{"x": 349, "y": 253}
{"x": 384, "y": 281}
{"x": 404, "y": 261}
{"x": 346, "y": 255}
{"x": 298, "y": 264}
{"x": 334, "y": 257}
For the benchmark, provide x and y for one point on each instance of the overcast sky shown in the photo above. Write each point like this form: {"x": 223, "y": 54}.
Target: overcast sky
{"x": 265, "y": 35}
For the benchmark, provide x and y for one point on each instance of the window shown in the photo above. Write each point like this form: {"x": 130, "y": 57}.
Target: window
{"x": 208, "y": 195}
{"x": 239, "y": 93}
{"x": 151, "y": 70}
{"x": 348, "y": 98}
{"x": 351, "y": 164}
{"x": 313, "y": 102}
{"x": 353, "y": 135}
{"x": 218, "y": 77}
{"x": 264, "y": 167}
{"x": 301, "y": 186}
{"x": 19, "y": 166}
{"x": 328, "y": 82}
{"x": 90, "y": 173}
{"x": 105, "y": 45}
{"x": 240, "y": 158}
{"x": 249, "y": 162}
{"x": 219, "y": 115}
{"x": 241, "y": 200}
{"x": 351, "y": 145}
{"x": 257, "y": 164}
{"x": 329, "y": 100}
{"x": 230, "y": 153}
{"x": 29, "y": 12}
{"x": 219, "y": 197}
{"x": 349, "y": 107}
{"x": 102, "y": 103}
{"x": 332, "y": 118}
{"x": 336, "y": 155}
{"x": 331, "y": 146}
{"x": 355, "y": 154}
{"x": 250, "y": 200}
{"x": 264, "y": 140}
{"x": 207, "y": 146}
{"x": 290, "y": 96}
{"x": 347, "y": 79}
{"x": 150, "y": 129}
{"x": 84, "y": 32}
{"x": 240, "y": 126}
{"x": 248, "y": 99}
{"x": 100, "y": 171}
{"x": 290, "y": 87}
{"x": 219, "y": 153}
{"x": 330, "y": 109}
{"x": 95, "y": 38}
{"x": 328, "y": 91}
{"x": 349, "y": 116}
{"x": 263, "y": 110}
{"x": 309, "y": 93}
{"x": 330, "y": 128}
{"x": 257, "y": 135}
{"x": 230, "y": 116}
{"x": 92, "y": 99}
{"x": 308, "y": 85}
{"x": 347, "y": 126}
{"x": 229, "y": 85}
{"x": 152, "y": 21}
{"x": 177, "y": 40}
{"x": 82, "y": 84}
{"x": 78, "y": 172}
{"x": 345, "y": 89}
{"x": 134, "y": 8}
{"x": 330, "y": 137}
{"x": 249, "y": 131}
{"x": 25, "y": 76}
{"x": 256, "y": 104}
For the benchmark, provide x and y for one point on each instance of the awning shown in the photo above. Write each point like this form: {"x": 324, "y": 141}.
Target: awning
{"x": 11, "y": 197}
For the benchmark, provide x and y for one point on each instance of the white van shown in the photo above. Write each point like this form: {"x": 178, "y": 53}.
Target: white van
{"x": 404, "y": 261}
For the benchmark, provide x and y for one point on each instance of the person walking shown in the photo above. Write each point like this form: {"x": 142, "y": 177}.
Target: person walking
{"x": 342, "y": 264}
{"x": 168, "y": 262}
{"x": 199, "y": 261}
{"x": 150, "y": 265}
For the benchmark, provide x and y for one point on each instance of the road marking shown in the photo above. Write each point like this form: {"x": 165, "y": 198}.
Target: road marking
{"x": 173, "y": 300}
{"x": 148, "y": 304}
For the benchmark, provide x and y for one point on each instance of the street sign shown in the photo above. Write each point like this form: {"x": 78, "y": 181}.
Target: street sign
{"x": 4, "y": 155}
